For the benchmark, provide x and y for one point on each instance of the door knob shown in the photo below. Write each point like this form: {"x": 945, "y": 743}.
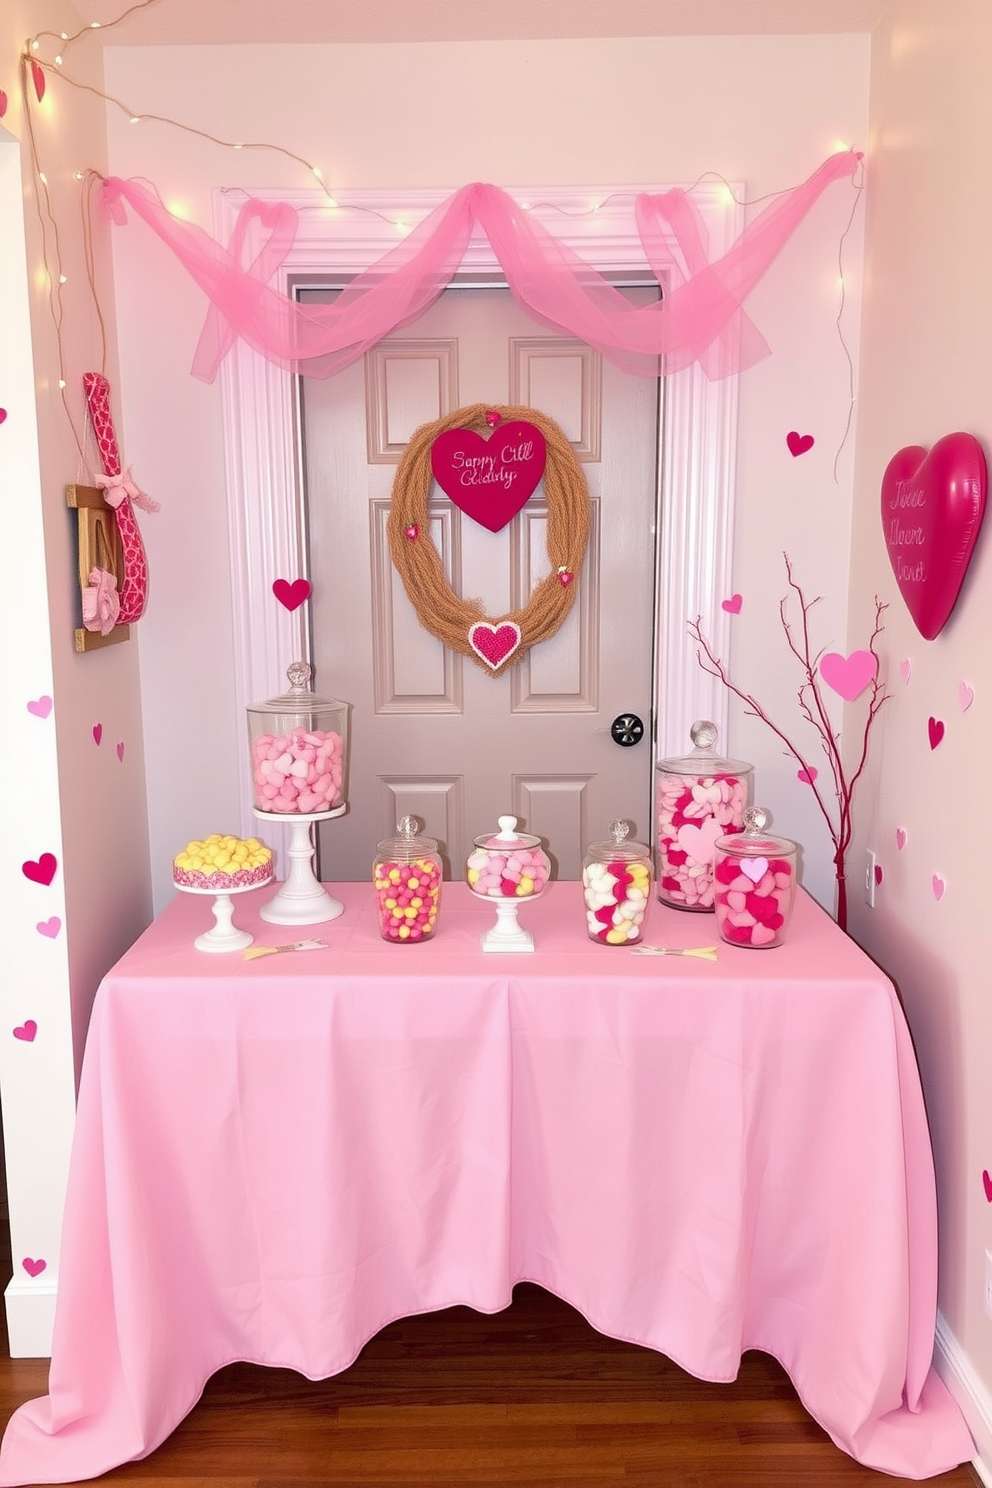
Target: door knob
{"x": 626, "y": 729}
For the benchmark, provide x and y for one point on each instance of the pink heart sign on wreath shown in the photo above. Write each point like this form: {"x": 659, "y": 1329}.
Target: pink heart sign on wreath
{"x": 494, "y": 643}
{"x": 490, "y": 480}
{"x": 932, "y": 509}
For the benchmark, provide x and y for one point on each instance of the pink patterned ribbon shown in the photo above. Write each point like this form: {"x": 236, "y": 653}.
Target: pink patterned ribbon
{"x": 120, "y": 492}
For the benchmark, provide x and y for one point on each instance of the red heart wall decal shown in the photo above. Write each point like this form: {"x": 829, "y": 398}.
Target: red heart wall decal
{"x": 932, "y": 509}
{"x": 799, "y": 443}
{"x": 490, "y": 479}
{"x": 494, "y": 643}
{"x": 292, "y": 595}
{"x": 43, "y": 871}
{"x": 33, "y": 1267}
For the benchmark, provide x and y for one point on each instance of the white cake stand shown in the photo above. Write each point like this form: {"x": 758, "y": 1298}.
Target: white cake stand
{"x": 301, "y": 900}
{"x": 224, "y": 935}
{"x": 507, "y": 934}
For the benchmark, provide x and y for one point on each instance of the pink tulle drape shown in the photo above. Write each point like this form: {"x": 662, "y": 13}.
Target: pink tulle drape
{"x": 700, "y": 319}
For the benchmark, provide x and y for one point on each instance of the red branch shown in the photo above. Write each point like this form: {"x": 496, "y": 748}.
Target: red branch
{"x": 813, "y": 709}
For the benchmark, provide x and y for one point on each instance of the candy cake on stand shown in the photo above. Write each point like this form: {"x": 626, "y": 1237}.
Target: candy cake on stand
{"x": 222, "y": 867}
{"x": 299, "y": 749}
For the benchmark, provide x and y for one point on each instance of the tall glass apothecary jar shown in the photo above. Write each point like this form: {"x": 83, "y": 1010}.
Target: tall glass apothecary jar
{"x": 698, "y": 798}
{"x": 299, "y": 750}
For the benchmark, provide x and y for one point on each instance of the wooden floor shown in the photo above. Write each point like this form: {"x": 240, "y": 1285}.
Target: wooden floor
{"x": 531, "y": 1396}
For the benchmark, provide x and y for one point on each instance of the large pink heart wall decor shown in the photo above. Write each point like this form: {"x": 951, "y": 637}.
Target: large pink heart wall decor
{"x": 490, "y": 479}
{"x": 932, "y": 509}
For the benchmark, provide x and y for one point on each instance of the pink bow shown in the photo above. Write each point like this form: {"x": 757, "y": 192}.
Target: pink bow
{"x": 101, "y": 602}
{"x": 116, "y": 487}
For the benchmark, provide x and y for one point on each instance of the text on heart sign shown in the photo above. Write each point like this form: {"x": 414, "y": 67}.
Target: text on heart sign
{"x": 487, "y": 469}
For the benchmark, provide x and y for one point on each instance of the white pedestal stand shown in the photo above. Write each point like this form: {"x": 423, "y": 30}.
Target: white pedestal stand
{"x": 301, "y": 900}
{"x": 507, "y": 934}
{"x": 224, "y": 936}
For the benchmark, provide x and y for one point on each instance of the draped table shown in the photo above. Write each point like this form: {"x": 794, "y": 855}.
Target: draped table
{"x": 274, "y": 1158}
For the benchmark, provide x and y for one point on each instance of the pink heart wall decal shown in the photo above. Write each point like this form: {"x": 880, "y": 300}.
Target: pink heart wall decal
{"x": 42, "y": 871}
{"x": 120, "y": 751}
{"x": 900, "y": 838}
{"x": 97, "y": 733}
{"x": 33, "y": 1268}
{"x": 879, "y": 873}
{"x": 38, "y": 74}
{"x": 40, "y": 707}
{"x": 490, "y": 479}
{"x": 3, "y": 103}
{"x": 938, "y": 885}
{"x": 700, "y": 842}
{"x": 732, "y": 605}
{"x": 906, "y": 669}
{"x": 50, "y": 927}
{"x": 494, "y": 643}
{"x": 935, "y": 731}
{"x": 27, "y": 1031}
{"x": 966, "y": 696}
{"x": 291, "y": 595}
{"x": 807, "y": 776}
{"x": 3, "y": 415}
{"x": 799, "y": 443}
{"x": 848, "y": 675}
{"x": 932, "y": 509}
{"x": 988, "y": 1185}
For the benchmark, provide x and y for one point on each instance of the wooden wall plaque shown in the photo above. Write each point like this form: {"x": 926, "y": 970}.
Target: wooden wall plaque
{"x": 99, "y": 546}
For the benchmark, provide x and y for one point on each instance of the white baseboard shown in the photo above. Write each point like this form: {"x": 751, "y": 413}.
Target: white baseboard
{"x": 30, "y": 1307}
{"x": 954, "y": 1368}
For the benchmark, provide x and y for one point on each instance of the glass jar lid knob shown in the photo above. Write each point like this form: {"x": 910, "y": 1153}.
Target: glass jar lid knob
{"x": 619, "y": 831}
{"x": 703, "y": 733}
{"x": 756, "y": 820}
{"x": 299, "y": 674}
{"x": 407, "y": 827}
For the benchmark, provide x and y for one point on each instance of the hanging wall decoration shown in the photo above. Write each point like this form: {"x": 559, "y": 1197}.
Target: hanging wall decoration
{"x": 517, "y": 433}
{"x": 932, "y": 509}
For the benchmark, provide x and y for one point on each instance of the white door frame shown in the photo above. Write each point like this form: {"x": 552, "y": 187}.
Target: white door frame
{"x": 697, "y": 443}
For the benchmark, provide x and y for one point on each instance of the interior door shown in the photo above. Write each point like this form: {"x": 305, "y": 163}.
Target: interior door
{"x": 432, "y": 734}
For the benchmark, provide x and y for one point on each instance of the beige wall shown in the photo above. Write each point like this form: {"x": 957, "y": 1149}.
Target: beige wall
{"x": 925, "y": 372}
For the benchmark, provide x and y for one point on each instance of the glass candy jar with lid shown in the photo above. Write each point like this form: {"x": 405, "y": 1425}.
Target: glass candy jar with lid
{"x": 698, "y": 798}
{"x": 299, "y": 750}
{"x": 616, "y": 886}
{"x": 755, "y": 881}
{"x": 406, "y": 876}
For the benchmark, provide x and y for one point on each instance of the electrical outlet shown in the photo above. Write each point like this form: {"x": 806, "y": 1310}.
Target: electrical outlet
{"x": 870, "y": 879}
{"x": 988, "y": 1283}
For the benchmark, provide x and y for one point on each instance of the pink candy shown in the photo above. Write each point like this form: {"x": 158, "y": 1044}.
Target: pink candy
{"x": 501, "y": 871}
{"x": 693, "y": 811}
{"x": 753, "y": 898}
{"x": 298, "y": 773}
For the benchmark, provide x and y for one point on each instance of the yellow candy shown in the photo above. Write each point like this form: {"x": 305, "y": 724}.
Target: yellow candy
{"x": 616, "y": 937}
{"x": 526, "y": 885}
{"x": 416, "y": 902}
{"x": 473, "y": 875}
{"x": 404, "y": 932}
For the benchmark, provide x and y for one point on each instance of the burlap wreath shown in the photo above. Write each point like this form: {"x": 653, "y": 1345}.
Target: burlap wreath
{"x": 460, "y": 622}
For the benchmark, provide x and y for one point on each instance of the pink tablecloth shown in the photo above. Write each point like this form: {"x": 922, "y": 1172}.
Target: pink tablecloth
{"x": 273, "y": 1159}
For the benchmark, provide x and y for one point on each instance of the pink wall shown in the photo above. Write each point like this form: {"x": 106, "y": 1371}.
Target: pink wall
{"x": 925, "y": 372}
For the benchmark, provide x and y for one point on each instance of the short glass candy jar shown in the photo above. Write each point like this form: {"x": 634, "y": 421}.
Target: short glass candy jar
{"x": 508, "y": 868}
{"x": 698, "y": 798}
{"x": 406, "y": 875}
{"x": 616, "y": 886}
{"x": 755, "y": 878}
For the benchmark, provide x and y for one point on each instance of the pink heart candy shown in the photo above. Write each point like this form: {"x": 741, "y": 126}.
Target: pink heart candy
{"x": 700, "y": 842}
{"x": 754, "y": 869}
{"x": 761, "y": 935}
